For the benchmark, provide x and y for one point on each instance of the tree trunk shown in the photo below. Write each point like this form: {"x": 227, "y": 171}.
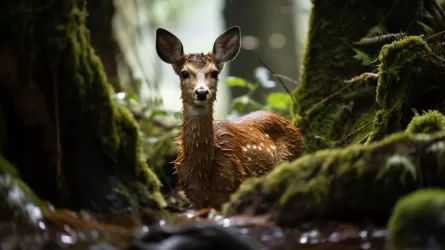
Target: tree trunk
{"x": 69, "y": 140}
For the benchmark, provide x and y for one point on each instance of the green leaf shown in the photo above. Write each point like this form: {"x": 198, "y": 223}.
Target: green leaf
{"x": 155, "y": 113}
{"x": 244, "y": 102}
{"x": 363, "y": 57}
{"x": 239, "y": 82}
{"x": 131, "y": 96}
{"x": 279, "y": 100}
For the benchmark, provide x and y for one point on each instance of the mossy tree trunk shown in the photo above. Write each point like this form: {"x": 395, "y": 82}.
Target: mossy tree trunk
{"x": 100, "y": 24}
{"x": 411, "y": 76}
{"x": 329, "y": 109}
{"x": 69, "y": 140}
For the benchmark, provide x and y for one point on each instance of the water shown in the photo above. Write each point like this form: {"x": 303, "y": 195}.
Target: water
{"x": 66, "y": 230}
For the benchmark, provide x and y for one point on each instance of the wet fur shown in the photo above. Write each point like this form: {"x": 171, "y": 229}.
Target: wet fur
{"x": 210, "y": 173}
{"x": 214, "y": 157}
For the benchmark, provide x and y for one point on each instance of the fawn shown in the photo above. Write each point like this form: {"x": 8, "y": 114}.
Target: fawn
{"x": 214, "y": 157}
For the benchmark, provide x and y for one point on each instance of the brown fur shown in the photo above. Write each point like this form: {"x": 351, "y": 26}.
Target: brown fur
{"x": 214, "y": 157}
{"x": 198, "y": 60}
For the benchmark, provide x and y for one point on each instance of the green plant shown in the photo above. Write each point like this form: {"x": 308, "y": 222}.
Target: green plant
{"x": 278, "y": 102}
{"x": 159, "y": 128}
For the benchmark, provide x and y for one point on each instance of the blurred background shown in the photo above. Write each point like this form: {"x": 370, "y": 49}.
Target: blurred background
{"x": 123, "y": 34}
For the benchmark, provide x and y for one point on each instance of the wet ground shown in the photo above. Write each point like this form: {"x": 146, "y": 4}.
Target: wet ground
{"x": 63, "y": 229}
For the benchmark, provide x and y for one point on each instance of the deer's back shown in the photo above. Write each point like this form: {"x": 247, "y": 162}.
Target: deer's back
{"x": 255, "y": 143}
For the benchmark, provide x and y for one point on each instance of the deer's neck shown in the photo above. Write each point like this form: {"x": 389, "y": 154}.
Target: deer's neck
{"x": 197, "y": 137}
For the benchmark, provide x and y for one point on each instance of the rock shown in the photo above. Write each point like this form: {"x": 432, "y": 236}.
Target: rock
{"x": 418, "y": 221}
{"x": 202, "y": 236}
{"x": 18, "y": 202}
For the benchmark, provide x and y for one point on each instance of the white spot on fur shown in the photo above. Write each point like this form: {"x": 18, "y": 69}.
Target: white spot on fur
{"x": 248, "y": 146}
{"x": 248, "y": 158}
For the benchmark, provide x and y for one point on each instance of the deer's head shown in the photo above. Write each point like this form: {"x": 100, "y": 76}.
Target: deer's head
{"x": 198, "y": 72}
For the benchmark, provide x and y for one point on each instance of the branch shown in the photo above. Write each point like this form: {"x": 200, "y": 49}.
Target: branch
{"x": 278, "y": 77}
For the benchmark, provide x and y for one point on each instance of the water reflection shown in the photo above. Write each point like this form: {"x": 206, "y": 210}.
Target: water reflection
{"x": 68, "y": 234}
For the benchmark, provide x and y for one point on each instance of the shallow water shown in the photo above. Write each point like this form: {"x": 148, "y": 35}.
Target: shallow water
{"x": 67, "y": 233}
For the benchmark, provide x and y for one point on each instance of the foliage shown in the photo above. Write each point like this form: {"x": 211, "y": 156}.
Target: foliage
{"x": 278, "y": 102}
{"x": 158, "y": 128}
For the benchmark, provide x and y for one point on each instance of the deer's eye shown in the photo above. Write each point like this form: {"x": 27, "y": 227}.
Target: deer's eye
{"x": 215, "y": 74}
{"x": 184, "y": 74}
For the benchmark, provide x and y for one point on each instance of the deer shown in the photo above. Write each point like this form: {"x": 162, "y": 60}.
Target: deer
{"x": 215, "y": 156}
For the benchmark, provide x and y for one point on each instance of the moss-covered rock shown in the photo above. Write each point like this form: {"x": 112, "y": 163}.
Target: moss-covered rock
{"x": 75, "y": 147}
{"x": 17, "y": 202}
{"x": 410, "y": 76}
{"x": 347, "y": 184}
{"x": 418, "y": 221}
{"x": 330, "y": 112}
{"x": 429, "y": 122}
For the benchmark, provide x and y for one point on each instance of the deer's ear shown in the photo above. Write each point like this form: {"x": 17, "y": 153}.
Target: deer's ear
{"x": 169, "y": 47}
{"x": 227, "y": 45}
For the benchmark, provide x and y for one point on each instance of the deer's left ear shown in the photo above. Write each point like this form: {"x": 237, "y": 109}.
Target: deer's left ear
{"x": 227, "y": 45}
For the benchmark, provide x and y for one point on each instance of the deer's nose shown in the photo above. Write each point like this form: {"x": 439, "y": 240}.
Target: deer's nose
{"x": 202, "y": 94}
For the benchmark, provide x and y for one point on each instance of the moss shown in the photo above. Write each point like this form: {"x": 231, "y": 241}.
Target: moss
{"x": 410, "y": 76}
{"x": 114, "y": 125}
{"x": 245, "y": 186}
{"x": 329, "y": 61}
{"x": 417, "y": 221}
{"x": 17, "y": 201}
{"x": 101, "y": 142}
{"x": 429, "y": 122}
{"x": 359, "y": 180}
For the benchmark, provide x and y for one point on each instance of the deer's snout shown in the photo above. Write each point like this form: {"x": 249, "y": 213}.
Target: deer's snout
{"x": 202, "y": 94}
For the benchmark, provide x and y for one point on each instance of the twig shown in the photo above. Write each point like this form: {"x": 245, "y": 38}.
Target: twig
{"x": 286, "y": 78}
{"x": 363, "y": 139}
{"x": 279, "y": 79}
{"x": 435, "y": 36}
{"x": 59, "y": 172}
{"x": 362, "y": 127}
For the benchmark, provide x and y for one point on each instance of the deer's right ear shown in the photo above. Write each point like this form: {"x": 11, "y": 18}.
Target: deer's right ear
{"x": 169, "y": 47}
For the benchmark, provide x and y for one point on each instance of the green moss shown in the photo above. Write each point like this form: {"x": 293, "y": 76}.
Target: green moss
{"x": 17, "y": 201}
{"x": 363, "y": 179}
{"x": 429, "y": 122}
{"x": 410, "y": 76}
{"x": 245, "y": 186}
{"x": 114, "y": 125}
{"x": 101, "y": 142}
{"x": 329, "y": 61}
{"x": 418, "y": 222}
